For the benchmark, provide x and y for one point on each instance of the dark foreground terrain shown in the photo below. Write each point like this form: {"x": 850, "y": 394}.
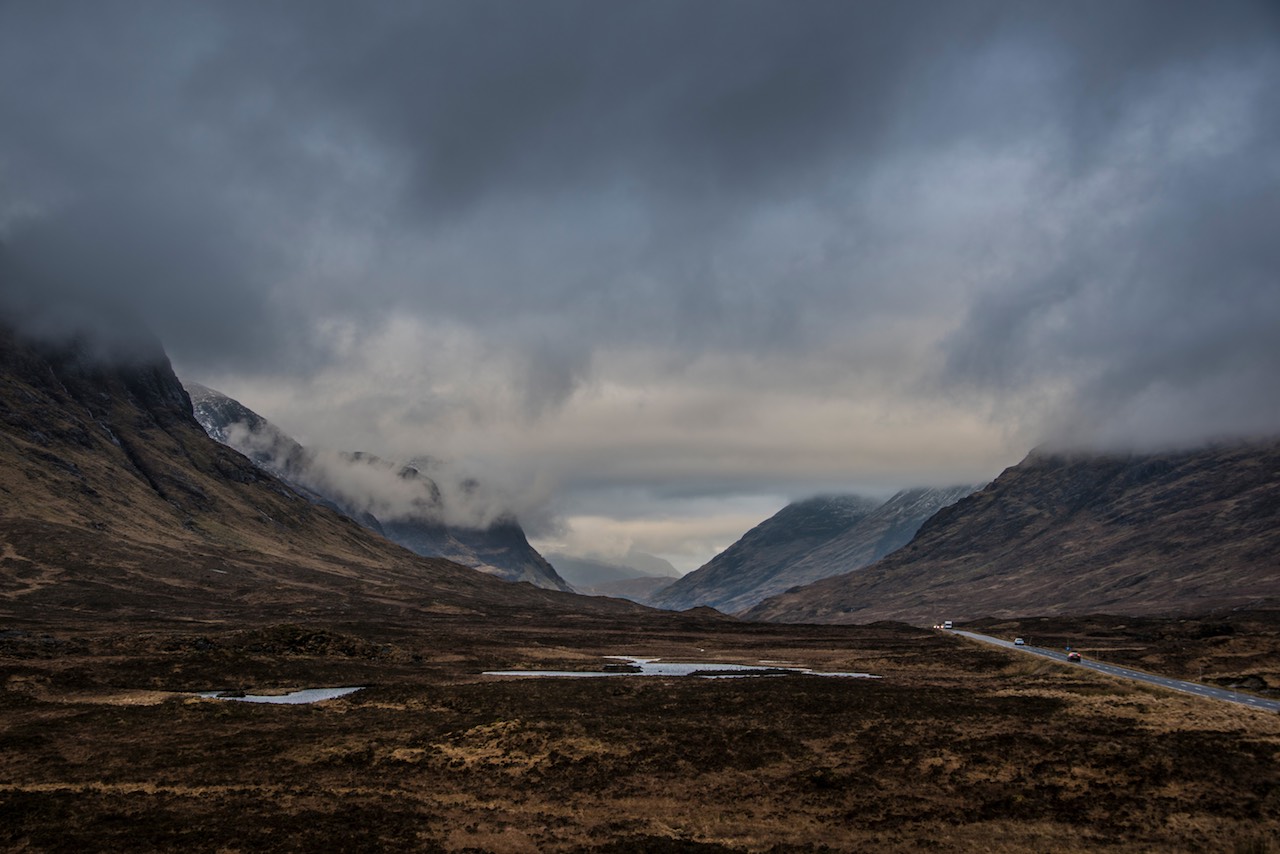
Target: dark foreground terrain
{"x": 958, "y": 747}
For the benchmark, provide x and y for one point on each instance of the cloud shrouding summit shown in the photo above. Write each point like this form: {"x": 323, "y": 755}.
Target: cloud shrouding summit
{"x": 668, "y": 251}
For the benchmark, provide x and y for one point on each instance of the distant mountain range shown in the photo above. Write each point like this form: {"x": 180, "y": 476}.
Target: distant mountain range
{"x": 804, "y": 542}
{"x": 116, "y": 506}
{"x": 1182, "y": 532}
{"x": 636, "y": 576}
{"x": 401, "y": 502}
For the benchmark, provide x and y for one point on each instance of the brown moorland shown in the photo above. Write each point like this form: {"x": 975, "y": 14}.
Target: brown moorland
{"x": 957, "y": 746}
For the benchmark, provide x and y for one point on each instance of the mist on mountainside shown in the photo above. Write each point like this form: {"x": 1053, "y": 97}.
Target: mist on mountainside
{"x": 404, "y": 503}
{"x": 423, "y": 489}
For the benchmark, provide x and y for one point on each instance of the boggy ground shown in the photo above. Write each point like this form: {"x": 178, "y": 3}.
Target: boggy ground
{"x": 958, "y": 746}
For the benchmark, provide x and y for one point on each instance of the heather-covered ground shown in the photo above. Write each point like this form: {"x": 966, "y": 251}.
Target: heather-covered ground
{"x": 958, "y": 746}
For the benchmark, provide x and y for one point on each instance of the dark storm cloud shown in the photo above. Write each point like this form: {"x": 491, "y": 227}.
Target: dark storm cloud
{"x": 113, "y": 193}
{"x": 563, "y": 177}
{"x": 1156, "y": 312}
{"x": 503, "y": 96}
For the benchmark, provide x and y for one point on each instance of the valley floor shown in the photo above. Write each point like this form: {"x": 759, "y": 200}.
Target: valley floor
{"x": 958, "y": 746}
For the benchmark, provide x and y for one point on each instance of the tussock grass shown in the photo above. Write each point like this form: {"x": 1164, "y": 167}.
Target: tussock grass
{"x": 946, "y": 751}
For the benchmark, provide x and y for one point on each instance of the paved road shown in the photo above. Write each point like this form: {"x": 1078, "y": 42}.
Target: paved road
{"x": 1199, "y": 690}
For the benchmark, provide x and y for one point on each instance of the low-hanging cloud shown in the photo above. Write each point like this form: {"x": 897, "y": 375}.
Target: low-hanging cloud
{"x": 422, "y": 490}
{"x": 472, "y": 227}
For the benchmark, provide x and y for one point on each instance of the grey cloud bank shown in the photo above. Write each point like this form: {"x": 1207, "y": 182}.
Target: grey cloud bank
{"x": 674, "y": 250}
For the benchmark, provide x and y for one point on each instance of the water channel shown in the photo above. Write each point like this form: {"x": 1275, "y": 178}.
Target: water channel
{"x": 629, "y": 666}
{"x": 294, "y": 698}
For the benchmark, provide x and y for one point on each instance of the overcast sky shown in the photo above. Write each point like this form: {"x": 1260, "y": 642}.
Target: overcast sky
{"x": 656, "y": 267}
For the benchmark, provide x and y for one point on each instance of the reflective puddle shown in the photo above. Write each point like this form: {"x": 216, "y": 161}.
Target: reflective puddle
{"x": 295, "y": 698}
{"x": 628, "y": 666}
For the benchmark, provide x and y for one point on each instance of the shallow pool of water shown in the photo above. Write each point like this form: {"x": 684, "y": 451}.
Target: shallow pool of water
{"x": 306, "y": 695}
{"x": 700, "y": 669}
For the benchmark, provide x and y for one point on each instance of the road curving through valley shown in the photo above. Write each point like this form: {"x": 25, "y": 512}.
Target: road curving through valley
{"x": 1207, "y": 691}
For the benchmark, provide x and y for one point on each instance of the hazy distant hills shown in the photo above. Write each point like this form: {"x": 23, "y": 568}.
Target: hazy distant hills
{"x": 401, "y": 502}
{"x": 500, "y": 548}
{"x": 637, "y": 576}
{"x": 1162, "y": 533}
{"x": 115, "y": 505}
{"x": 642, "y": 590}
{"x": 803, "y": 542}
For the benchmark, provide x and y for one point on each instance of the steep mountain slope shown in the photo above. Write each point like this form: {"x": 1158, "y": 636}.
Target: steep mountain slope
{"x": 888, "y": 528}
{"x": 500, "y": 549}
{"x": 726, "y": 581}
{"x": 1059, "y": 534}
{"x": 401, "y": 502}
{"x": 852, "y": 541}
{"x": 114, "y": 504}
{"x": 271, "y": 450}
